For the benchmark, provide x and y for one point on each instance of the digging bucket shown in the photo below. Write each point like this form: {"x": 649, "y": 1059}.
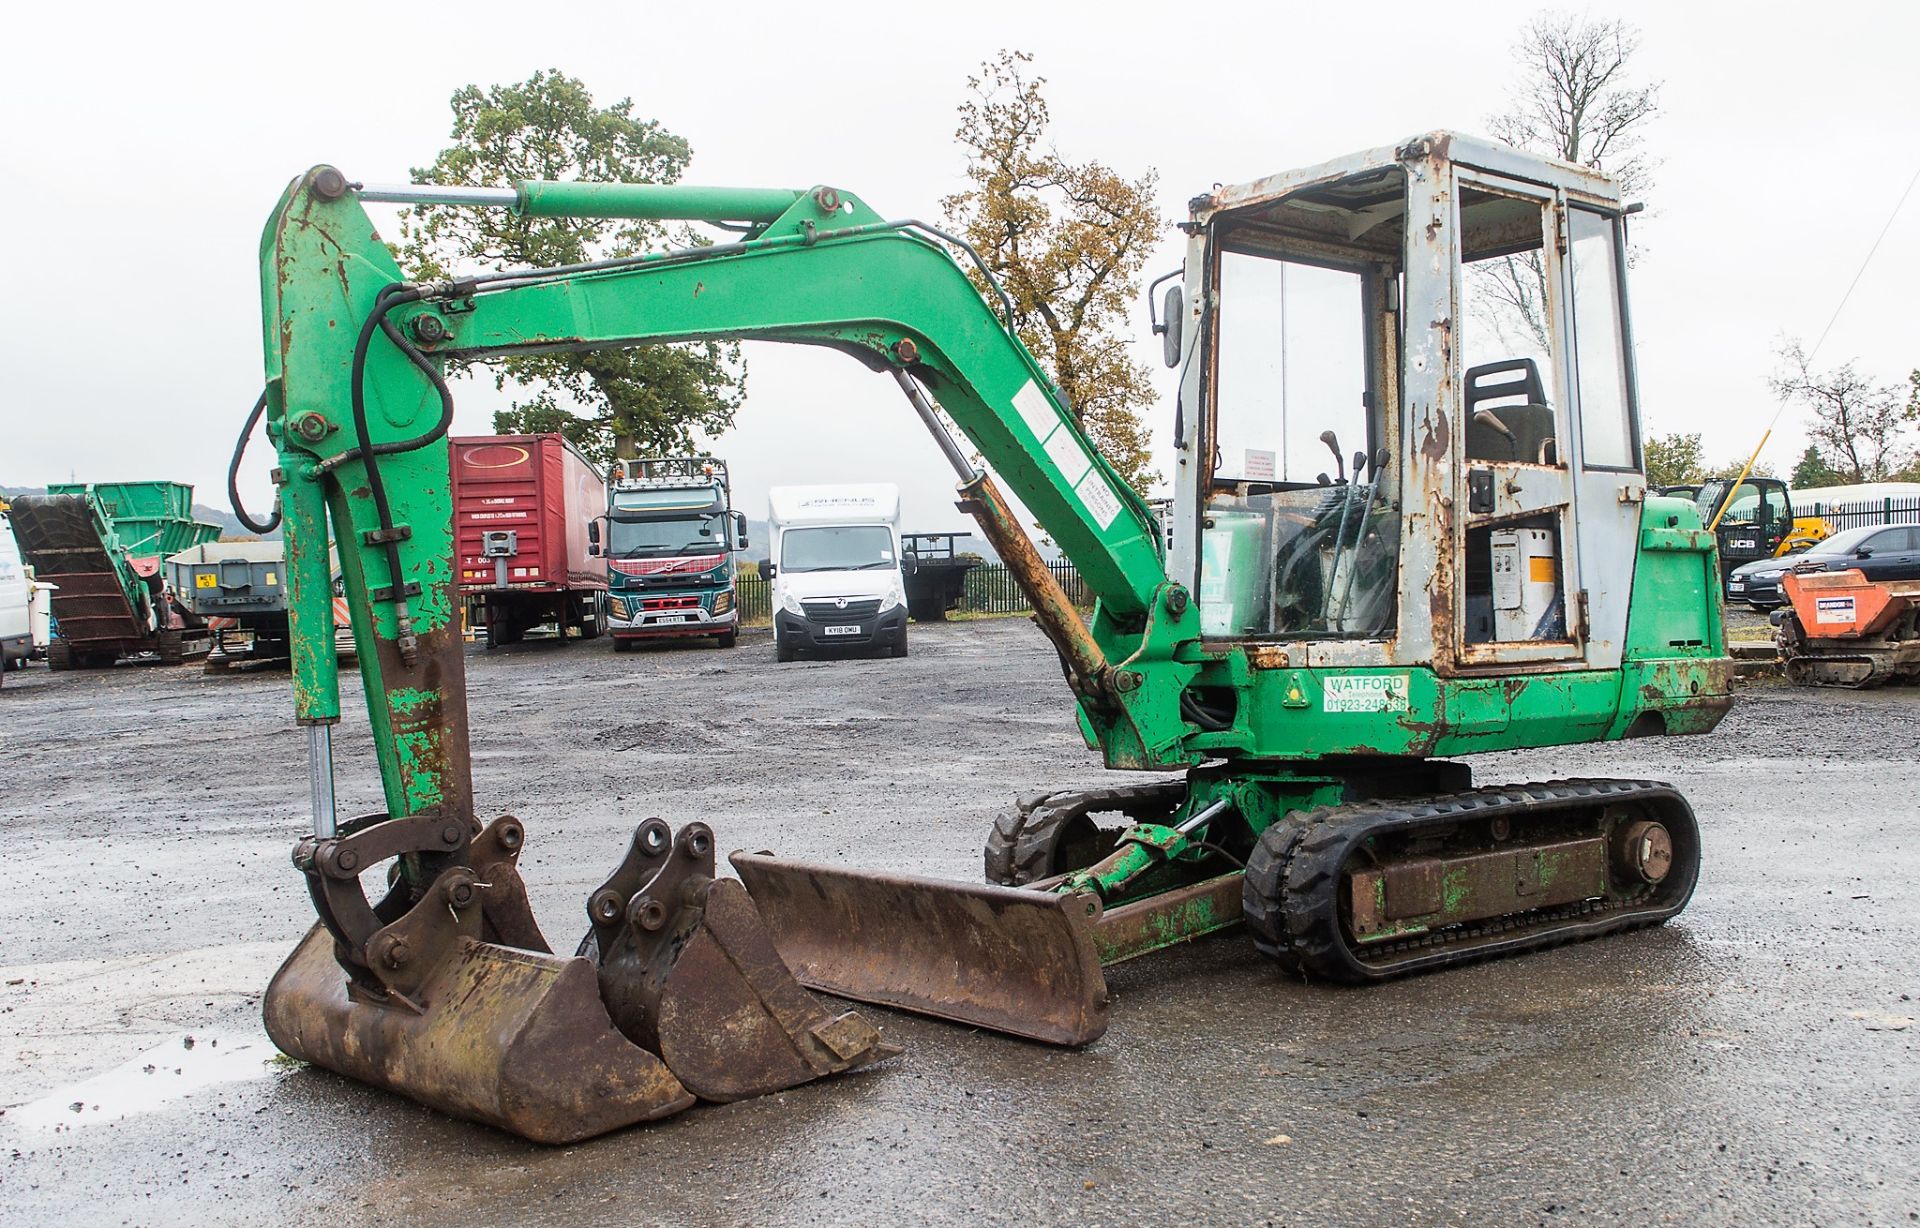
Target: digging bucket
{"x": 516, "y": 1039}
{"x": 453, "y": 999}
{"x": 689, "y": 972}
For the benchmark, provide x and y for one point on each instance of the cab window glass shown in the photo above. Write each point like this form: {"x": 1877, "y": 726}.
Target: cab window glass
{"x": 1506, "y": 334}
{"x": 1599, "y": 347}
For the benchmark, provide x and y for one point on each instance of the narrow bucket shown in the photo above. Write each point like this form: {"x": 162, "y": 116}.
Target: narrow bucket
{"x": 1013, "y": 960}
{"x": 734, "y": 1023}
{"x": 516, "y": 1039}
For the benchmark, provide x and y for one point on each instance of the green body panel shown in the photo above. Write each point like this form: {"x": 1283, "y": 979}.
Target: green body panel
{"x": 892, "y": 298}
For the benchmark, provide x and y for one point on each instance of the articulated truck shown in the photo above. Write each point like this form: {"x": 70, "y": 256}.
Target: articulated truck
{"x": 522, "y": 506}
{"x": 671, "y": 533}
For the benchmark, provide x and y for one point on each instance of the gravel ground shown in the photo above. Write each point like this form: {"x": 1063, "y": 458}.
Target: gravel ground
{"x": 1752, "y": 1062}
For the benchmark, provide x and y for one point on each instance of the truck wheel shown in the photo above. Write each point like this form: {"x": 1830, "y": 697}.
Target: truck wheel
{"x": 172, "y": 651}
{"x": 594, "y": 624}
{"x": 729, "y": 638}
{"x": 782, "y": 651}
{"x": 59, "y": 655}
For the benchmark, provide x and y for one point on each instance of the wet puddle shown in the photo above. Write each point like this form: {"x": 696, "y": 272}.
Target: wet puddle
{"x": 151, "y": 1081}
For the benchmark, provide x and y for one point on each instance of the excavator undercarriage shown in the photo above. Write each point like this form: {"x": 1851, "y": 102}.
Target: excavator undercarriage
{"x": 1300, "y": 660}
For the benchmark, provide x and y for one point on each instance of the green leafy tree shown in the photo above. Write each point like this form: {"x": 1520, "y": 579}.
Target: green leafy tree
{"x": 1675, "y": 460}
{"x": 1732, "y": 469}
{"x": 1812, "y": 471}
{"x": 646, "y": 399}
{"x": 1067, "y": 240}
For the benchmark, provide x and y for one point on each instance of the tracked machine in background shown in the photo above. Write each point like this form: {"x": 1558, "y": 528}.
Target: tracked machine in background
{"x": 102, "y": 547}
{"x": 1754, "y": 518}
{"x": 1486, "y": 573}
{"x": 1841, "y": 629}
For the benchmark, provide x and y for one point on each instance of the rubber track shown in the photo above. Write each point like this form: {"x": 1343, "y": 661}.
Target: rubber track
{"x": 1020, "y": 846}
{"x": 1292, "y": 886}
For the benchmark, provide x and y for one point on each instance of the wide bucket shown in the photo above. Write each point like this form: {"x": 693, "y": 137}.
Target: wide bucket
{"x": 1016, "y": 961}
{"x": 516, "y": 1039}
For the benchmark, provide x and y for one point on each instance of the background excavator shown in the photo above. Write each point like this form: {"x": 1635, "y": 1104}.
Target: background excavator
{"x": 1486, "y": 571}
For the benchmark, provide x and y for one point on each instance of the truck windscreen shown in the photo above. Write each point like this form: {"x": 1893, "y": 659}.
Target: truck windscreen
{"x": 682, "y": 534}
{"x": 864, "y": 547}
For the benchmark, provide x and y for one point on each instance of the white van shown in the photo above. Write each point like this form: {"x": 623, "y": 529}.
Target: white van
{"x": 16, "y": 602}
{"x": 836, "y": 565}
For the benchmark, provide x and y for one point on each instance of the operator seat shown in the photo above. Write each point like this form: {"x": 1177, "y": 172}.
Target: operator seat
{"x": 1518, "y": 432}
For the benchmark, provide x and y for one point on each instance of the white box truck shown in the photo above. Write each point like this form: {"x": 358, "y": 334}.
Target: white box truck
{"x": 16, "y": 603}
{"x": 836, "y": 567}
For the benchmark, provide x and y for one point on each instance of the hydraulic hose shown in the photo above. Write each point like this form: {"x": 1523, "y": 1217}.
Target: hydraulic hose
{"x": 369, "y": 452}
{"x": 233, "y": 474}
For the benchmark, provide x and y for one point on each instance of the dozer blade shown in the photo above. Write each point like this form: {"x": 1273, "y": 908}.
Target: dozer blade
{"x": 689, "y": 971}
{"x": 515, "y": 1039}
{"x": 1017, "y": 961}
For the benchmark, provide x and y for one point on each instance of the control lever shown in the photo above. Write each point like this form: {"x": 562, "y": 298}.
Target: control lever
{"x": 1333, "y": 445}
{"x": 1487, "y": 418}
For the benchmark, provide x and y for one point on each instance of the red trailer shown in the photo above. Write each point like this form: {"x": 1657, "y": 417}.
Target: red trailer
{"x": 521, "y": 504}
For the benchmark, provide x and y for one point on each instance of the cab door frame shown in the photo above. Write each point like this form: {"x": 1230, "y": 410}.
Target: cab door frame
{"x": 1520, "y": 492}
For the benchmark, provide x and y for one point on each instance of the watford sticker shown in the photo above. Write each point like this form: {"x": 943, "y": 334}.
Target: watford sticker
{"x": 1365, "y": 693}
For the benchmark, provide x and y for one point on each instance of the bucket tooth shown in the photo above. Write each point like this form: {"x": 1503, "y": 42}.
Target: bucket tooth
{"x": 691, "y": 974}
{"x": 515, "y": 1039}
{"x": 1017, "y": 961}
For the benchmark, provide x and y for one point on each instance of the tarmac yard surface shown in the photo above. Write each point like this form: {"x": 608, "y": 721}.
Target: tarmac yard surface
{"x": 1754, "y": 1061}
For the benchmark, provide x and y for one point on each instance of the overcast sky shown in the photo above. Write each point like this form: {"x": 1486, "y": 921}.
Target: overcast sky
{"x": 146, "y": 143}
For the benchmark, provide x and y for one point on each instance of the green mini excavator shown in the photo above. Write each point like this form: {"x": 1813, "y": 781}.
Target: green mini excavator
{"x": 1301, "y": 652}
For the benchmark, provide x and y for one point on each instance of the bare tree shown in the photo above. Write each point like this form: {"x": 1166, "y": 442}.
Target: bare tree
{"x": 1575, "y": 100}
{"x": 1864, "y": 430}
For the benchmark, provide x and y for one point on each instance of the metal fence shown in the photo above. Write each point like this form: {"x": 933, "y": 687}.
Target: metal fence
{"x": 1869, "y": 511}
{"x": 991, "y": 589}
{"x": 755, "y": 595}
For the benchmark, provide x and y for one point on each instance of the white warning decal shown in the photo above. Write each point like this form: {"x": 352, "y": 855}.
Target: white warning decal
{"x": 1833, "y": 610}
{"x": 1064, "y": 450}
{"x": 1100, "y": 501}
{"x": 1365, "y": 693}
{"x": 1035, "y": 410}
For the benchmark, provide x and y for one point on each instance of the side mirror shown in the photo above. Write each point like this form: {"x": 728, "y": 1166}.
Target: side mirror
{"x": 767, "y": 570}
{"x": 1863, "y": 553}
{"x": 909, "y": 564}
{"x": 1173, "y": 312}
{"x": 593, "y": 538}
{"x": 739, "y": 529}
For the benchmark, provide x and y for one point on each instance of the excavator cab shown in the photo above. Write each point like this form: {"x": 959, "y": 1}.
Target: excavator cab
{"x": 1419, "y": 443}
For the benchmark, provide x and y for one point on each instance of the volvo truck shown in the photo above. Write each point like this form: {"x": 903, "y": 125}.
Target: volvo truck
{"x": 671, "y": 534}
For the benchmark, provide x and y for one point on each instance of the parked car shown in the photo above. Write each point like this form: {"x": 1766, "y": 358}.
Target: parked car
{"x": 1881, "y": 552}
